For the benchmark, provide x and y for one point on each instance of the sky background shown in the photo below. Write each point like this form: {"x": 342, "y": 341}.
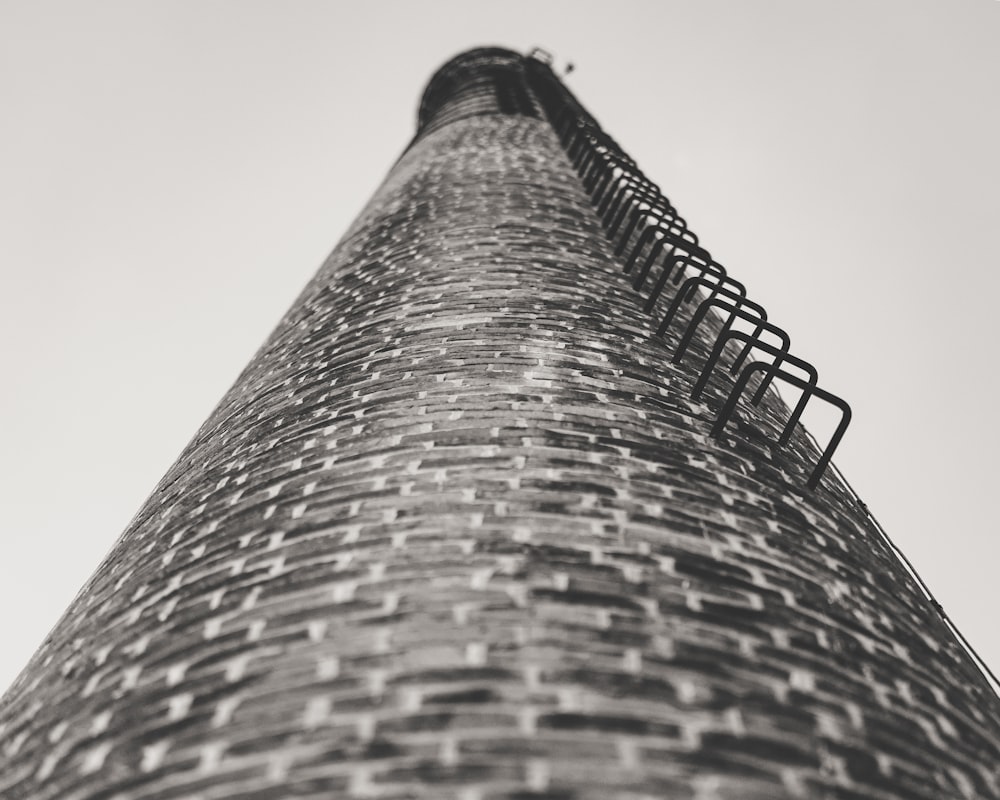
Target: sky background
{"x": 174, "y": 172}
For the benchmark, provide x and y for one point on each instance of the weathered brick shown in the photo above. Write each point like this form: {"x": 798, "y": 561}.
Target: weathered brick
{"x": 458, "y": 531}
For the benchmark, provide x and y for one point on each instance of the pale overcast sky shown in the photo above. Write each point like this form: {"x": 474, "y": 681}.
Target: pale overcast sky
{"x": 174, "y": 172}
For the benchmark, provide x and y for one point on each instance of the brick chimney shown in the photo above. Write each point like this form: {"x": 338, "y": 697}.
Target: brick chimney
{"x": 460, "y": 531}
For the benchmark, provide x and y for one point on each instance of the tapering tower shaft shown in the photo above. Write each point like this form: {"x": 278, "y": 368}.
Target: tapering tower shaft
{"x": 458, "y": 530}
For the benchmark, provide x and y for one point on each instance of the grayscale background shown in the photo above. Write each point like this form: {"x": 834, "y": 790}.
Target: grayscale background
{"x": 172, "y": 173}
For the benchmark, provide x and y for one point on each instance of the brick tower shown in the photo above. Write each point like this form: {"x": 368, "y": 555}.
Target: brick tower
{"x": 459, "y": 530}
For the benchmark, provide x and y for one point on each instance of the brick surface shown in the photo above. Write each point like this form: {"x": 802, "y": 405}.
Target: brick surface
{"x": 457, "y": 532}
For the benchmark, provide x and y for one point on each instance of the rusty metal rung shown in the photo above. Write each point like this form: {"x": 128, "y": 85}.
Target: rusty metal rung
{"x": 631, "y": 206}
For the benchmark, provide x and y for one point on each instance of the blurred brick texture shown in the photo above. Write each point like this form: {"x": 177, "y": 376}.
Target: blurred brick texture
{"x": 458, "y": 532}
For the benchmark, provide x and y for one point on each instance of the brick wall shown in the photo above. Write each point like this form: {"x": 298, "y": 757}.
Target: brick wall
{"x": 457, "y": 531}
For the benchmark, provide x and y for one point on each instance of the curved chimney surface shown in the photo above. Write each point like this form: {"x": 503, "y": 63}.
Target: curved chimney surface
{"x": 458, "y": 531}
